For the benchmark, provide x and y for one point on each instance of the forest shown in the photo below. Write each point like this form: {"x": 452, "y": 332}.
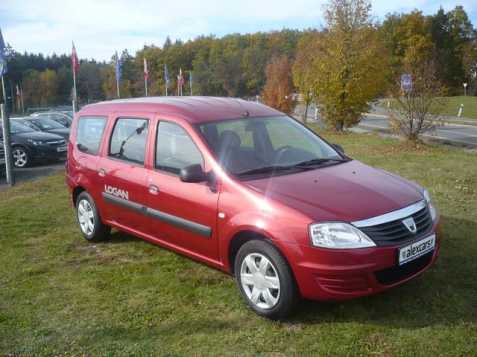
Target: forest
{"x": 236, "y": 65}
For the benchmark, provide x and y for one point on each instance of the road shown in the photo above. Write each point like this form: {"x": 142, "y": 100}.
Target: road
{"x": 464, "y": 135}
{"x": 32, "y": 173}
{"x": 455, "y": 134}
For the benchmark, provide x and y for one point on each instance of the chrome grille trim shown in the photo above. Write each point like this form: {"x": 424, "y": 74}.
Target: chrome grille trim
{"x": 391, "y": 216}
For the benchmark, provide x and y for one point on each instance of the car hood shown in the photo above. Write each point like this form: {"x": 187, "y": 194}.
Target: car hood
{"x": 65, "y": 133}
{"x": 37, "y": 135}
{"x": 349, "y": 191}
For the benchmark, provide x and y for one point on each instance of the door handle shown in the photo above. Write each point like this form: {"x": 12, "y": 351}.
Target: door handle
{"x": 153, "y": 190}
{"x": 102, "y": 172}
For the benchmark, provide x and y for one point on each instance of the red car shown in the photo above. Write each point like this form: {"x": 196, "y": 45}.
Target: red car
{"x": 250, "y": 191}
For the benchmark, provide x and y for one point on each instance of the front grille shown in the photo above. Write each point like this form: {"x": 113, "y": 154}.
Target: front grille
{"x": 397, "y": 273}
{"x": 56, "y": 142}
{"x": 395, "y": 232}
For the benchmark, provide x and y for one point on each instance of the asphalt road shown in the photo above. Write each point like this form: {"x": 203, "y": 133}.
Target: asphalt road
{"x": 32, "y": 173}
{"x": 463, "y": 135}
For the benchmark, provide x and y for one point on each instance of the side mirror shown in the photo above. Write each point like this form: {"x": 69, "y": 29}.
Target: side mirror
{"x": 193, "y": 173}
{"x": 338, "y": 148}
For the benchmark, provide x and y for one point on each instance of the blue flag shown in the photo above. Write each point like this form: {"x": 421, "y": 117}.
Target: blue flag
{"x": 118, "y": 68}
{"x": 166, "y": 75}
{"x": 3, "y": 58}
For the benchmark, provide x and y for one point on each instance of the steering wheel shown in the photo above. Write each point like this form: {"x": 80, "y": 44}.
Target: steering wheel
{"x": 281, "y": 152}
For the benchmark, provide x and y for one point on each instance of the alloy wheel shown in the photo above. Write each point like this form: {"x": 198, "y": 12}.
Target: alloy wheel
{"x": 260, "y": 281}
{"x": 20, "y": 157}
{"x": 86, "y": 217}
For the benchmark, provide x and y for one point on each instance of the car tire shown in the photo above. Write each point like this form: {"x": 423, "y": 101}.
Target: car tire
{"x": 265, "y": 280}
{"x": 21, "y": 157}
{"x": 87, "y": 215}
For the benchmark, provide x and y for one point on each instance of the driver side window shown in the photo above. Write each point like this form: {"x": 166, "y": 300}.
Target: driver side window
{"x": 175, "y": 148}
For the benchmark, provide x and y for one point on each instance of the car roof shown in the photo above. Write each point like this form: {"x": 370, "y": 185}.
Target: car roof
{"x": 193, "y": 109}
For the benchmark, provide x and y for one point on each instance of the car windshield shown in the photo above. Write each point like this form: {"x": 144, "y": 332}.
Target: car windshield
{"x": 46, "y": 124}
{"x": 17, "y": 127}
{"x": 267, "y": 146}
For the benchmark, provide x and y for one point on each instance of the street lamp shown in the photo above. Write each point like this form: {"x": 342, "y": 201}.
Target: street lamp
{"x": 465, "y": 89}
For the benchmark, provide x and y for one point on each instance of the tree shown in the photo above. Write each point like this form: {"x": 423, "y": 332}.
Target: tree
{"x": 278, "y": 90}
{"x": 350, "y": 64}
{"x": 303, "y": 76}
{"x": 416, "y": 110}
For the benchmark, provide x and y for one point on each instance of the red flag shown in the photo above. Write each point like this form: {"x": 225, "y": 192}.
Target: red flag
{"x": 146, "y": 72}
{"x": 74, "y": 60}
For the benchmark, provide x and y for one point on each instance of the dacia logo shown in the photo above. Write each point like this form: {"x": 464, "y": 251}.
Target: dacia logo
{"x": 116, "y": 192}
{"x": 410, "y": 224}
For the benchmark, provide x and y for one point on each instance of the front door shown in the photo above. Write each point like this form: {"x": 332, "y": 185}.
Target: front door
{"x": 123, "y": 175}
{"x": 185, "y": 213}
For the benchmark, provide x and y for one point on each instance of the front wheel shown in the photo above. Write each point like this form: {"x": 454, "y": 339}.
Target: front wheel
{"x": 21, "y": 158}
{"x": 89, "y": 220}
{"x": 265, "y": 280}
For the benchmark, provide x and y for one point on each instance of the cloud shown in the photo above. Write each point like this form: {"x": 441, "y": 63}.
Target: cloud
{"x": 100, "y": 27}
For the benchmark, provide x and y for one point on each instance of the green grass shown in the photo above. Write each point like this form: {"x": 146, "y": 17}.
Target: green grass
{"x": 60, "y": 295}
{"x": 451, "y": 106}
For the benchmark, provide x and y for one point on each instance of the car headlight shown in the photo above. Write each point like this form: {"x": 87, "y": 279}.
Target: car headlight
{"x": 430, "y": 204}
{"x": 338, "y": 235}
{"x": 35, "y": 142}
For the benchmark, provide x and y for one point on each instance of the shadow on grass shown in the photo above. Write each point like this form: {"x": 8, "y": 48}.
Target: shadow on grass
{"x": 443, "y": 295}
{"x": 120, "y": 237}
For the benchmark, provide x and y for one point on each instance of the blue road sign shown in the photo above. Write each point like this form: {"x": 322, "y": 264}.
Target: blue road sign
{"x": 406, "y": 82}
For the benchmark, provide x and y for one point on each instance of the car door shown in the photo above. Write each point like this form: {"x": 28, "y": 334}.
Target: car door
{"x": 183, "y": 214}
{"x": 123, "y": 174}
{"x": 83, "y": 157}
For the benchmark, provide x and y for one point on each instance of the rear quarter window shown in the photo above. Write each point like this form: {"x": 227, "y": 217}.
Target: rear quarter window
{"x": 89, "y": 134}
{"x": 128, "y": 140}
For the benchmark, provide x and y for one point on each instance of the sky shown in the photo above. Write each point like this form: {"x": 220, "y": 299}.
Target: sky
{"x": 101, "y": 27}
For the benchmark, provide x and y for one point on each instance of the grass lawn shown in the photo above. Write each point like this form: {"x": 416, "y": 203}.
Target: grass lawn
{"x": 61, "y": 295}
{"x": 470, "y": 106}
{"x": 452, "y": 106}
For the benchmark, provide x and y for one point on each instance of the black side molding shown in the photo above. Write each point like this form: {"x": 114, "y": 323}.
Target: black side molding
{"x": 176, "y": 221}
{"x": 180, "y": 222}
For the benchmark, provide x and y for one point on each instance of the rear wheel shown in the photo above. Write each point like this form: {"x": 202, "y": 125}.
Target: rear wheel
{"x": 89, "y": 220}
{"x": 21, "y": 158}
{"x": 265, "y": 280}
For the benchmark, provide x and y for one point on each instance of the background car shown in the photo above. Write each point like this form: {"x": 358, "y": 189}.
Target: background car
{"x": 45, "y": 125}
{"x": 29, "y": 144}
{"x": 2, "y": 160}
{"x": 63, "y": 118}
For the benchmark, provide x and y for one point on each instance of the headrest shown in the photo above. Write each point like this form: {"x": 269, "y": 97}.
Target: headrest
{"x": 229, "y": 139}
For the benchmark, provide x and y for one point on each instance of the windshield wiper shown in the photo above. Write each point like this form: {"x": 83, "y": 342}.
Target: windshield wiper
{"x": 304, "y": 165}
{"x": 264, "y": 170}
{"x": 315, "y": 162}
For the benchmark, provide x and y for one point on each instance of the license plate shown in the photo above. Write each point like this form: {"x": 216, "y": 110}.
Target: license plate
{"x": 61, "y": 149}
{"x": 415, "y": 250}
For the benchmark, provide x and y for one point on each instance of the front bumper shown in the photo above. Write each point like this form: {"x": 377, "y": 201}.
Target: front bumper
{"x": 327, "y": 274}
{"x": 47, "y": 153}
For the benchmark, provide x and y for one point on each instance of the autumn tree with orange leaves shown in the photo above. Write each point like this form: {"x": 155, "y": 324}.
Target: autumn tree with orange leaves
{"x": 278, "y": 90}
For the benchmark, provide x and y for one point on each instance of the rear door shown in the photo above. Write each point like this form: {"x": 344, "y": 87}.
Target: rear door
{"x": 83, "y": 157}
{"x": 122, "y": 172}
{"x": 182, "y": 214}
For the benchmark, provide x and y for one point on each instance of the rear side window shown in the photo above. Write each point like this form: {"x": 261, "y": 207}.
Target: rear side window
{"x": 128, "y": 141}
{"x": 175, "y": 149}
{"x": 89, "y": 134}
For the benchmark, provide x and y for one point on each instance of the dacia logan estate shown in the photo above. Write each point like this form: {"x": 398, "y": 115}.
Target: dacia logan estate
{"x": 250, "y": 191}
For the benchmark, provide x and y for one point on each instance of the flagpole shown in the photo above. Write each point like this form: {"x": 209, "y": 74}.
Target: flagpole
{"x": 21, "y": 99}
{"x": 190, "y": 82}
{"x": 4, "y": 91}
{"x": 74, "y": 91}
{"x": 117, "y": 86}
